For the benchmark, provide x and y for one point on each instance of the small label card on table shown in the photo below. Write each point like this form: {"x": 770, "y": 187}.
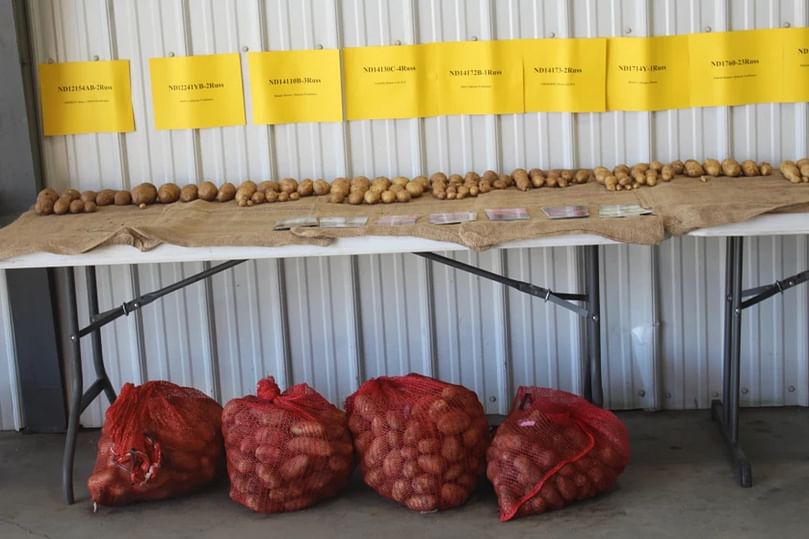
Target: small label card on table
{"x": 397, "y": 220}
{"x": 452, "y": 218}
{"x": 286, "y": 224}
{"x": 622, "y": 210}
{"x": 566, "y": 212}
{"x": 343, "y": 222}
{"x": 506, "y": 214}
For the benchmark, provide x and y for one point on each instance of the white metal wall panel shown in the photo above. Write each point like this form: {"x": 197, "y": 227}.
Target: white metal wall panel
{"x": 336, "y": 321}
{"x": 10, "y": 411}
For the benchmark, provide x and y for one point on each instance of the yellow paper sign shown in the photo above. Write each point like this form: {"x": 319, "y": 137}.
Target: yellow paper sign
{"x": 735, "y": 68}
{"x": 564, "y": 75}
{"x": 86, "y": 97}
{"x": 295, "y": 86}
{"x": 194, "y": 92}
{"x": 646, "y": 74}
{"x": 795, "y": 79}
{"x": 479, "y": 77}
{"x": 390, "y": 82}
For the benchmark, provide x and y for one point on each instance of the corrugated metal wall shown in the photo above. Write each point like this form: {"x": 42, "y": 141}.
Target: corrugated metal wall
{"x": 335, "y": 321}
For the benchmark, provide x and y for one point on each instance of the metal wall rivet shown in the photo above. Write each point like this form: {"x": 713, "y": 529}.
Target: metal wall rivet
{"x": 397, "y": 42}
{"x": 668, "y": 395}
{"x": 319, "y": 46}
{"x": 171, "y": 54}
{"x": 786, "y": 24}
{"x": 745, "y": 390}
{"x": 641, "y": 393}
{"x": 628, "y": 30}
{"x": 715, "y": 394}
{"x": 96, "y": 58}
{"x": 245, "y": 48}
{"x": 474, "y": 38}
{"x": 552, "y": 34}
{"x": 492, "y": 399}
{"x": 50, "y": 60}
{"x": 791, "y": 389}
{"x": 707, "y": 28}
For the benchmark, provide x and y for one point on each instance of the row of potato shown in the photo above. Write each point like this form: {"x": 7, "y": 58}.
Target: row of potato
{"x": 363, "y": 190}
{"x": 418, "y": 441}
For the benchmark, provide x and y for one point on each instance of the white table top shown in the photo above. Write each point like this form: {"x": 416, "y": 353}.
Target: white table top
{"x": 765, "y": 225}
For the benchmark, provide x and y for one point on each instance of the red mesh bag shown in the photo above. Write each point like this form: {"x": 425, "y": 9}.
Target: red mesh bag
{"x": 422, "y": 442}
{"x": 285, "y": 451}
{"x": 553, "y": 449}
{"x": 159, "y": 440}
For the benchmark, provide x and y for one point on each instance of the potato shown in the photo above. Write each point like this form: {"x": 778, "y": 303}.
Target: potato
{"x": 46, "y": 199}
{"x": 677, "y": 166}
{"x": 361, "y": 181}
{"x": 308, "y": 445}
{"x": 504, "y": 181}
{"x": 432, "y": 464}
{"x": 71, "y": 194}
{"x": 105, "y": 197}
{"x": 168, "y": 193}
{"x": 453, "y": 422}
{"x": 453, "y": 495}
{"x": 452, "y": 449}
{"x": 90, "y": 206}
{"x": 731, "y": 168}
{"x": 521, "y": 180}
{"x": 600, "y": 173}
{"x": 226, "y": 193}
{"x": 337, "y": 197}
{"x": 259, "y": 197}
{"x": 288, "y": 185}
{"x": 415, "y": 189}
{"x": 392, "y": 463}
{"x": 144, "y": 194}
{"x": 372, "y": 197}
{"x": 294, "y": 467}
{"x": 306, "y": 188}
{"x": 582, "y": 176}
{"x": 207, "y": 191}
{"x": 123, "y": 198}
{"x": 307, "y": 428}
{"x": 537, "y": 178}
{"x": 268, "y": 454}
{"x": 791, "y": 172}
{"x": 667, "y": 173}
{"x": 750, "y": 168}
{"x": 294, "y": 196}
{"x": 656, "y": 165}
{"x": 403, "y": 196}
{"x": 712, "y": 167}
{"x": 429, "y": 445}
{"x": 88, "y": 195}
{"x": 76, "y": 206}
{"x": 388, "y": 197}
{"x": 320, "y": 187}
{"x": 651, "y": 178}
{"x": 271, "y": 196}
{"x": 804, "y": 168}
{"x": 243, "y": 196}
{"x": 356, "y": 197}
{"x": 189, "y": 192}
{"x": 421, "y": 504}
{"x": 765, "y": 168}
{"x": 693, "y": 169}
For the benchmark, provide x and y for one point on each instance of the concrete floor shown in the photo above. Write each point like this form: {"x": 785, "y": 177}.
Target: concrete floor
{"x": 679, "y": 484}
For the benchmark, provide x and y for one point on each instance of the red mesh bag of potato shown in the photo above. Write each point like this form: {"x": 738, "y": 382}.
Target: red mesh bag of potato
{"x": 159, "y": 440}
{"x": 285, "y": 451}
{"x": 553, "y": 449}
{"x": 421, "y": 442}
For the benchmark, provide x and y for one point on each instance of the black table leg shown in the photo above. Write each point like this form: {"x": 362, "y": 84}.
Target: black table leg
{"x": 77, "y": 387}
{"x": 592, "y": 381}
{"x": 726, "y": 411}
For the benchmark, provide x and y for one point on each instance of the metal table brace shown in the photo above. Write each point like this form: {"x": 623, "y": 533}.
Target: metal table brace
{"x": 726, "y": 411}
{"x": 80, "y": 399}
{"x": 589, "y": 309}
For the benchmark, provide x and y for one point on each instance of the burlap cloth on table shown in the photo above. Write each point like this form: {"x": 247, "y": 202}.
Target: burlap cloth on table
{"x": 679, "y": 206}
